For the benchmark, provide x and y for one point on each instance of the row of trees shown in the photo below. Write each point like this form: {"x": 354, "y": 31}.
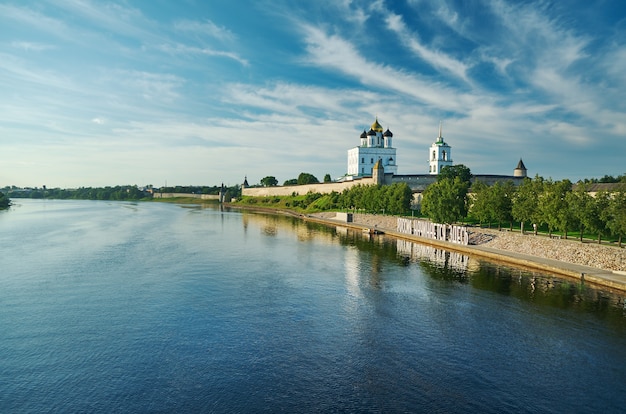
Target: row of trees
{"x": 386, "y": 199}
{"x": 303, "y": 178}
{"x": 391, "y": 199}
{"x": 119, "y": 192}
{"x": 557, "y": 205}
{"x": 125, "y": 192}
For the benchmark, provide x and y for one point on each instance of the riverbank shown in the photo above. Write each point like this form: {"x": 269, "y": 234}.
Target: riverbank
{"x": 588, "y": 262}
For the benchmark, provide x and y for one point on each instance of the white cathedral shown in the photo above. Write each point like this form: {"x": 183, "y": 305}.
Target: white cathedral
{"x": 375, "y": 145}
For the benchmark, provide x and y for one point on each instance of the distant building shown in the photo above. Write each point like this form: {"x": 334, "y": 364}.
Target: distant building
{"x": 440, "y": 155}
{"x": 375, "y": 146}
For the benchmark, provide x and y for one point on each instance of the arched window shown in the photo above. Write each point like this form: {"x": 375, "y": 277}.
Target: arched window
{"x": 434, "y": 155}
{"x": 444, "y": 155}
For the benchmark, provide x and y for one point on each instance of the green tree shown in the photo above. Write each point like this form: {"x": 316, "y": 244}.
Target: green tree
{"x": 553, "y": 206}
{"x": 327, "y": 178}
{"x": 581, "y": 206}
{"x": 399, "y": 197}
{"x": 525, "y": 208}
{"x": 453, "y": 171}
{"x": 292, "y": 181}
{"x": 306, "y": 178}
{"x": 269, "y": 181}
{"x": 615, "y": 214}
{"x": 446, "y": 200}
{"x": 501, "y": 202}
{"x": 598, "y": 222}
{"x": 480, "y": 201}
{"x": 5, "y": 202}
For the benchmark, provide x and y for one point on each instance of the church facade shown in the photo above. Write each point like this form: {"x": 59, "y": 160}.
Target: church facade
{"x": 375, "y": 146}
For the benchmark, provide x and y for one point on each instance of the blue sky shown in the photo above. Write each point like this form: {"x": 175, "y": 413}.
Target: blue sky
{"x": 97, "y": 93}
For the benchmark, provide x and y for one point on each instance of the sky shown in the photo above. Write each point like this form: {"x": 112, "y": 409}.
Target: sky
{"x": 161, "y": 92}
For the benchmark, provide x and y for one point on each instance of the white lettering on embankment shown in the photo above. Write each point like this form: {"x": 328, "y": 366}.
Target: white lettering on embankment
{"x": 436, "y": 231}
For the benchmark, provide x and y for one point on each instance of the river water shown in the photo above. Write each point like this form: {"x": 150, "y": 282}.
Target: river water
{"x": 152, "y": 307}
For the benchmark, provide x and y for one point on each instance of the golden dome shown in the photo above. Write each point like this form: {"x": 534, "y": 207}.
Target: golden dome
{"x": 376, "y": 126}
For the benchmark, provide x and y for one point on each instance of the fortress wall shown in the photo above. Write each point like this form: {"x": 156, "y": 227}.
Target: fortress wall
{"x": 417, "y": 183}
{"x": 322, "y": 188}
{"x": 187, "y": 195}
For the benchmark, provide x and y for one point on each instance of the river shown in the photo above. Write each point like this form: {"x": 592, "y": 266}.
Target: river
{"x": 155, "y": 307}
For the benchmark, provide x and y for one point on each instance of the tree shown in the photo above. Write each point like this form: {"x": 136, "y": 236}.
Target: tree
{"x": 453, "y": 171}
{"x": 581, "y": 206}
{"x": 446, "y": 200}
{"x": 554, "y": 208}
{"x": 481, "y": 194}
{"x": 327, "y": 178}
{"x": 501, "y": 202}
{"x": 5, "y": 202}
{"x": 615, "y": 214}
{"x": 598, "y": 222}
{"x": 292, "y": 181}
{"x": 269, "y": 181}
{"x": 306, "y": 178}
{"x": 525, "y": 200}
{"x": 398, "y": 198}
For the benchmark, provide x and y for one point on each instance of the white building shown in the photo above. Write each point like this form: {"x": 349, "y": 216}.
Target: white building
{"x": 375, "y": 145}
{"x": 440, "y": 155}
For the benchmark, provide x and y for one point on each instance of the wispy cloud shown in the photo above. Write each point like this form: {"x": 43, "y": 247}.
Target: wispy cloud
{"x": 436, "y": 58}
{"x": 335, "y": 53}
{"x": 31, "y": 46}
{"x": 204, "y": 28}
{"x": 180, "y": 49}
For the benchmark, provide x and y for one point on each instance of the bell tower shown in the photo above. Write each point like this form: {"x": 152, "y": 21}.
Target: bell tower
{"x": 439, "y": 154}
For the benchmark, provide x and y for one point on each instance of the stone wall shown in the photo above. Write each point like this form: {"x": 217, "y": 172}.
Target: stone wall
{"x": 417, "y": 183}
{"x": 321, "y": 188}
{"x": 186, "y": 195}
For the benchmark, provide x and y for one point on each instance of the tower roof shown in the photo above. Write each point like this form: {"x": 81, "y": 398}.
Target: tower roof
{"x": 364, "y": 134}
{"x": 387, "y": 133}
{"x": 371, "y": 132}
{"x": 520, "y": 165}
{"x": 440, "y": 137}
{"x": 376, "y": 126}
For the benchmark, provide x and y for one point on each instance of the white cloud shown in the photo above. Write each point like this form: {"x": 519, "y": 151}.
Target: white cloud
{"x": 192, "y": 50}
{"x": 205, "y": 27}
{"x": 31, "y": 46}
{"x": 333, "y": 52}
{"x": 435, "y": 58}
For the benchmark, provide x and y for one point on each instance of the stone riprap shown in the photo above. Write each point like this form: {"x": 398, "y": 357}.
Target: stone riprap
{"x": 570, "y": 250}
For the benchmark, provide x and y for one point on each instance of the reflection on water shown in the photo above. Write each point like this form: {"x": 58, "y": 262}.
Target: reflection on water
{"x": 539, "y": 288}
{"x": 443, "y": 258}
